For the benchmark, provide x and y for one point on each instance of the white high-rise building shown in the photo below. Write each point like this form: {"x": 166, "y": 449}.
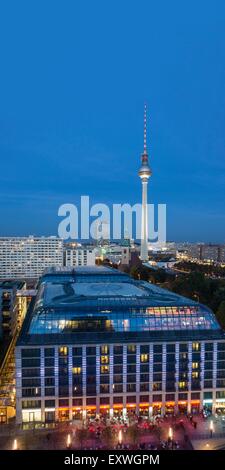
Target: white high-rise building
{"x": 144, "y": 173}
{"x": 79, "y": 256}
{"x": 29, "y": 257}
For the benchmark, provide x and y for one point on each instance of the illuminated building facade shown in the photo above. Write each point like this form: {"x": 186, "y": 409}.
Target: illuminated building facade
{"x": 78, "y": 256}
{"x": 29, "y": 257}
{"x": 12, "y": 307}
{"x": 95, "y": 341}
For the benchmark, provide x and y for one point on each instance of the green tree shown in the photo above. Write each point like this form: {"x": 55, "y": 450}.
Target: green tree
{"x": 220, "y": 315}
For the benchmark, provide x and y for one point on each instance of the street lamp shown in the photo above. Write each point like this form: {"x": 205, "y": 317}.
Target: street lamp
{"x": 211, "y": 427}
{"x": 68, "y": 441}
{"x": 15, "y": 444}
{"x": 170, "y": 434}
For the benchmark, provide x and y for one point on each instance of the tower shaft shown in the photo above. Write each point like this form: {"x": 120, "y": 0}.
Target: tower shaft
{"x": 144, "y": 222}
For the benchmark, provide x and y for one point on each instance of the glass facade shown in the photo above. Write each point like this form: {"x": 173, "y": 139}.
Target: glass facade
{"x": 67, "y": 369}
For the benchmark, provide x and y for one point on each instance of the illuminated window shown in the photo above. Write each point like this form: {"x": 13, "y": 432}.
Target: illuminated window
{"x": 76, "y": 370}
{"x": 196, "y": 346}
{"x": 182, "y": 385}
{"x": 195, "y": 375}
{"x": 63, "y": 351}
{"x": 104, "y": 369}
{"x": 104, "y": 359}
{"x": 183, "y": 356}
{"x": 104, "y": 349}
{"x": 131, "y": 348}
{"x": 195, "y": 365}
{"x": 144, "y": 357}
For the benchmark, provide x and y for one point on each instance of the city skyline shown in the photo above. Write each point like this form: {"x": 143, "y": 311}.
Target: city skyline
{"x": 68, "y": 104}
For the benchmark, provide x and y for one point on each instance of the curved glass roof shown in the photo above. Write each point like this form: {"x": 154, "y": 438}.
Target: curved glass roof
{"x": 105, "y": 300}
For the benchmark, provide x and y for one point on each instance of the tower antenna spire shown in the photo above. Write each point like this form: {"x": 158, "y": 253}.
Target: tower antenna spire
{"x": 145, "y": 128}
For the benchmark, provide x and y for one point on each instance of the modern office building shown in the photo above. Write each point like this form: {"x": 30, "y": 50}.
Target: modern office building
{"x": 78, "y": 255}
{"x": 29, "y": 257}
{"x": 95, "y": 341}
{"x": 12, "y": 307}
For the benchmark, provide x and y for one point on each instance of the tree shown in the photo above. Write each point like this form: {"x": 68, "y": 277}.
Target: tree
{"x": 220, "y": 315}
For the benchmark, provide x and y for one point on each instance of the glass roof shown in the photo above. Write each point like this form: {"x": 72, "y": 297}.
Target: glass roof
{"x": 106, "y": 300}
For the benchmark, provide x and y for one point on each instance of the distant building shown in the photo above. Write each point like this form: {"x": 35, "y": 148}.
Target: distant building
{"x": 29, "y": 257}
{"x": 210, "y": 253}
{"x": 194, "y": 250}
{"x": 12, "y": 307}
{"x": 222, "y": 254}
{"x": 114, "y": 253}
{"x": 78, "y": 255}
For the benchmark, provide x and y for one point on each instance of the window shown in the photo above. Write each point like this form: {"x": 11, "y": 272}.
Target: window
{"x": 117, "y": 400}
{"x": 77, "y": 351}
{"x": 170, "y": 347}
{"x": 104, "y": 369}
{"x": 118, "y": 359}
{"x": 183, "y": 347}
{"x": 91, "y": 351}
{"x": 104, "y": 388}
{"x": 77, "y": 401}
{"x": 49, "y": 403}
{"x": 195, "y": 365}
{"x": 131, "y": 349}
{"x": 31, "y": 352}
{"x": 49, "y": 362}
{"x": 183, "y": 356}
{"x": 182, "y": 385}
{"x": 49, "y": 352}
{"x": 195, "y": 396}
{"x": 144, "y": 357}
{"x": 29, "y": 404}
{"x": 91, "y": 401}
{"x": 104, "y": 359}
{"x": 196, "y": 346}
{"x": 195, "y": 375}
{"x": 157, "y": 386}
{"x": 30, "y": 362}
{"x": 144, "y": 387}
{"x": 157, "y": 348}
{"x": 63, "y": 402}
{"x": 76, "y": 370}
{"x": 131, "y": 399}
{"x": 63, "y": 351}
{"x": 157, "y": 398}
{"x": 208, "y": 346}
{"x": 104, "y": 349}
{"x": 170, "y": 397}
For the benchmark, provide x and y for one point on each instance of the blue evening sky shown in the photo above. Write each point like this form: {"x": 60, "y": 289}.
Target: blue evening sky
{"x": 74, "y": 77}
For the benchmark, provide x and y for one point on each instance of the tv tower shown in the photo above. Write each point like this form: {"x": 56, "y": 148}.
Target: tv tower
{"x": 144, "y": 173}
